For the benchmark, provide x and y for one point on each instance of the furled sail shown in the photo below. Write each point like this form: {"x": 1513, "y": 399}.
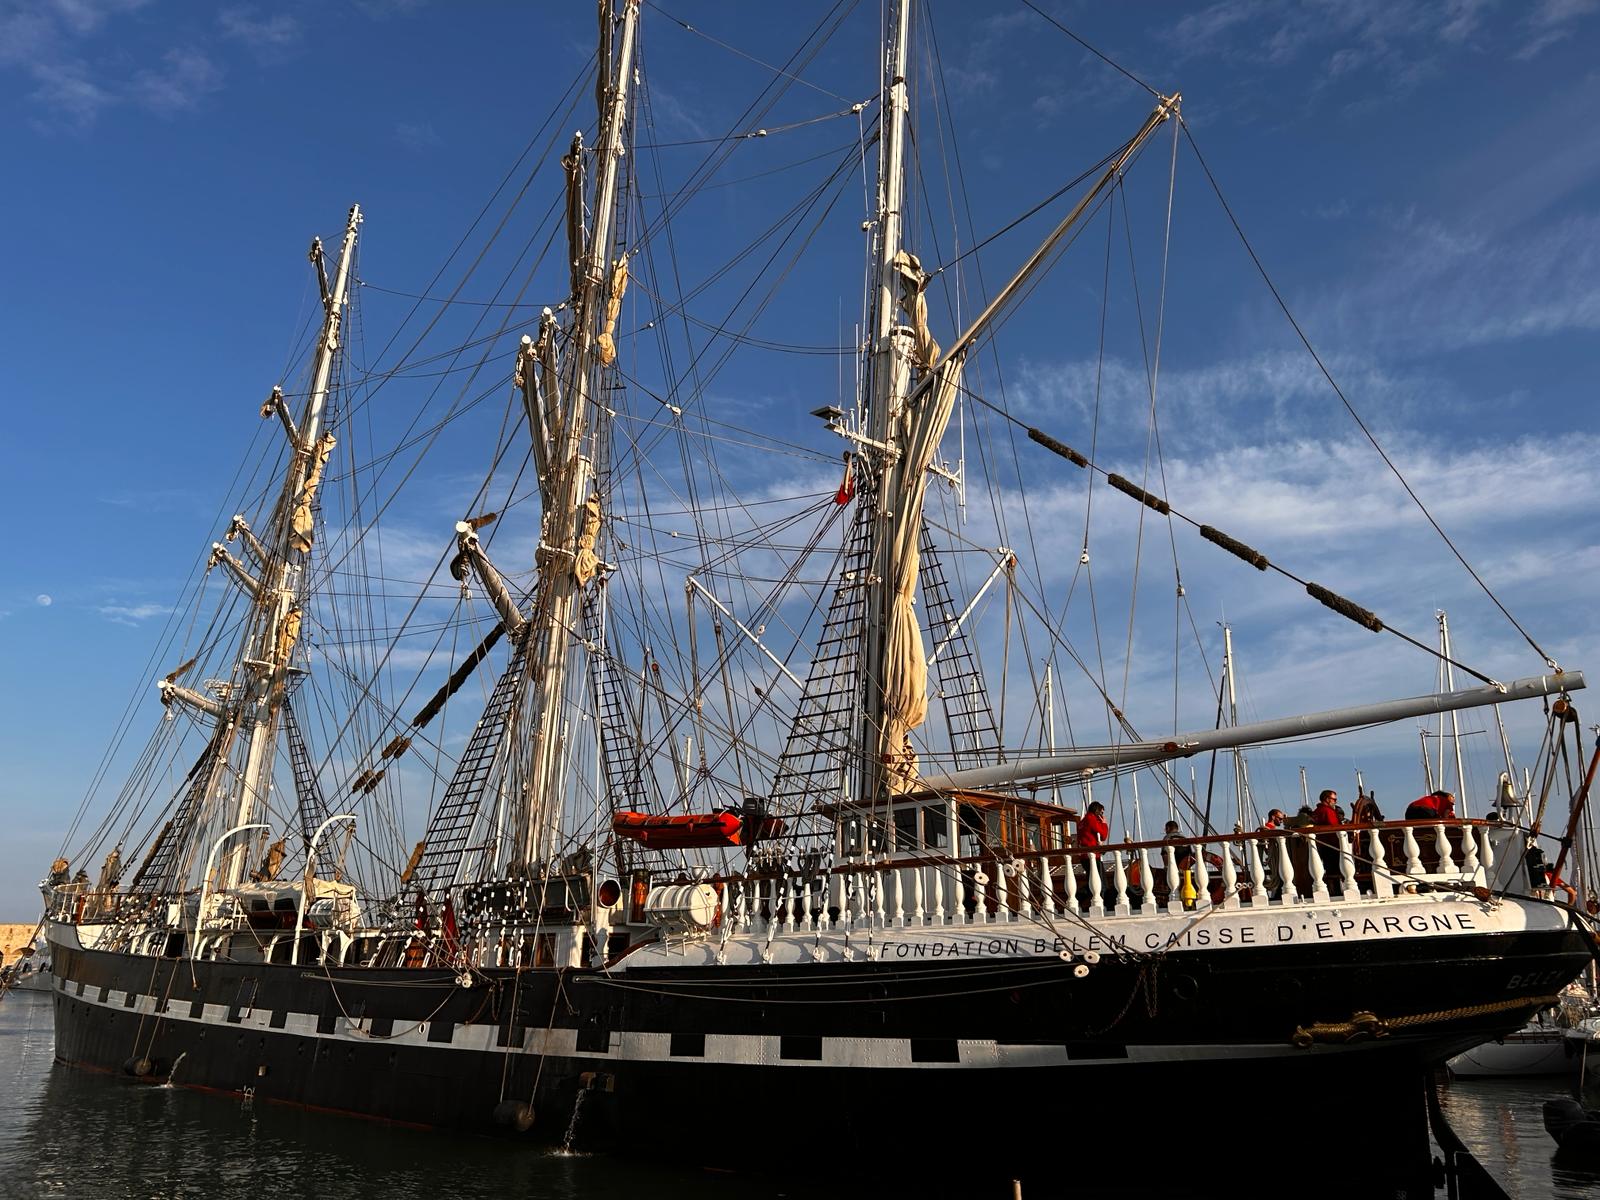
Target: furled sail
{"x": 302, "y": 521}
{"x": 585, "y": 561}
{"x": 905, "y": 666}
{"x": 913, "y": 283}
{"x": 605, "y": 344}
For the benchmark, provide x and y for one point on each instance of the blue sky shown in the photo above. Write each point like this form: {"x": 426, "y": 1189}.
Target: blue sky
{"x": 1419, "y": 178}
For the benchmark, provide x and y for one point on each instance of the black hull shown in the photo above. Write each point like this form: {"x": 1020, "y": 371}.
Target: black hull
{"x": 882, "y": 1052}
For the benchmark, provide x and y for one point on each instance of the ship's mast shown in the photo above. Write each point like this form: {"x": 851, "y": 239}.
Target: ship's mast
{"x": 566, "y": 486}
{"x": 1241, "y": 773}
{"x": 278, "y": 625}
{"x": 891, "y": 381}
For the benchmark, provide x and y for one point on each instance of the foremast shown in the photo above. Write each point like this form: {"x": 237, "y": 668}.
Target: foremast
{"x": 560, "y": 414}
{"x": 273, "y": 574}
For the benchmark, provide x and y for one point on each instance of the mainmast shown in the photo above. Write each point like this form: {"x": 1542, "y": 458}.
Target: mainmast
{"x": 890, "y": 383}
{"x": 560, "y": 420}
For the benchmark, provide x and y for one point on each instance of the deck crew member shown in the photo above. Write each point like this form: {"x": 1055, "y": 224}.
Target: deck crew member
{"x": 1327, "y": 812}
{"x": 1092, "y": 829}
{"x": 1435, "y": 806}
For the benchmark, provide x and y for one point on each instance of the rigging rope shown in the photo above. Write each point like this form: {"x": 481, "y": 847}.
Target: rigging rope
{"x": 1283, "y": 306}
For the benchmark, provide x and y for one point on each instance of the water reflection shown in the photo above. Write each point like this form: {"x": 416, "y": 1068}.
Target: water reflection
{"x": 70, "y": 1133}
{"x": 1502, "y": 1120}
{"x": 66, "y": 1132}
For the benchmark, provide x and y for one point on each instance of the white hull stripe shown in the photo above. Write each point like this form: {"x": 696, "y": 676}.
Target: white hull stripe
{"x": 718, "y": 1049}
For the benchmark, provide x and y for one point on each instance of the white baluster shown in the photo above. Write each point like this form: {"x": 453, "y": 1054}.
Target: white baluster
{"x": 1441, "y": 842}
{"x": 1174, "y": 887}
{"x": 1022, "y": 885}
{"x": 936, "y": 883}
{"x": 1290, "y": 894}
{"x": 1413, "y": 853}
{"x": 894, "y": 881}
{"x": 875, "y": 890}
{"x": 787, "y": 883}
{"x": 1147, "y": 883}
{"x": 1487, "y": 852}
{"x": 916, "y": 895}
{"x": 836, "y": 899}
{"x": 1002, "y": 891}
{"x": 1119, "y": 879}
{"x": 1258, "y": 876}
{"x": 1230, "y": 878}
{"x": 1097, "y": 904}
{"x": 957, "y": 907}
{"x": 1347, "y": 868}
{"x": 1202, "y": 875}
{"x": 1382, "y": 883}
{"x": 1469, "y": 851}
{"x": 1047, "y": 893}
{"x": 980, "y": 894}
{"x": 1319, "y": 886}
{"x": 1069, "y": 886}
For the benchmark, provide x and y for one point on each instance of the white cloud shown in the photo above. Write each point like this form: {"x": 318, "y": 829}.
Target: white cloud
{"x": 68, "y": 93}
{"x": 132, "y": 614}
{"x": 1444, "y": 285}
{"x": 1552, "y": 21}
{"x": 187, "y": 74}
{"x": 52, "y": 43}
{"x": 87, "y": 16}
{"x": 416, "y": 135}
{"x": 274, "y": 31}
{"x": 43, "y": 600}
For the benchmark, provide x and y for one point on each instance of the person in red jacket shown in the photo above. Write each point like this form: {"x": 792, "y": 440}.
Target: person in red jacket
{"x": 1092, "y": 829}
{"x": 1327, "y": 813}
{"x": 1435, "y": 806}
{"x": 1327, "y": 810}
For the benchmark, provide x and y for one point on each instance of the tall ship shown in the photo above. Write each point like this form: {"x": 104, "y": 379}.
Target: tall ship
{"x": 687, "y": 771}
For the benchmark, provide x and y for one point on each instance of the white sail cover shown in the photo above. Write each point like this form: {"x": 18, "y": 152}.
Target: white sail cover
{"x": 905, "y": 664}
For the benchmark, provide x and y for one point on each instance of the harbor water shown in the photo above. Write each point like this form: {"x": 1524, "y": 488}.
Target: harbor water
{"x": 72, "y": 1133}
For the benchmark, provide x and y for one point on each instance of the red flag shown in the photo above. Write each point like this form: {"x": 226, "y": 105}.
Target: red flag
{"x": 847, "y": 489}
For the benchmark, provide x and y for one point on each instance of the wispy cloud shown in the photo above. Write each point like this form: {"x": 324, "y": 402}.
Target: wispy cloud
{"x": 417, "y": 135}
{"x": 1261, "y": 395}
{"x": 982, "y": 64}
{"x": 66, "y": 91}
{"x": 186, "y": 75}
{"x": 1443, "y": 284}
{"x": 1552, "y": 21}
{"x": 1389, "y": 47}
{"x": 132, "y": 614}
{"x": 674, "y": 115}
{"x": 53, "y": 44}
{"x": 268, "y": 34}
